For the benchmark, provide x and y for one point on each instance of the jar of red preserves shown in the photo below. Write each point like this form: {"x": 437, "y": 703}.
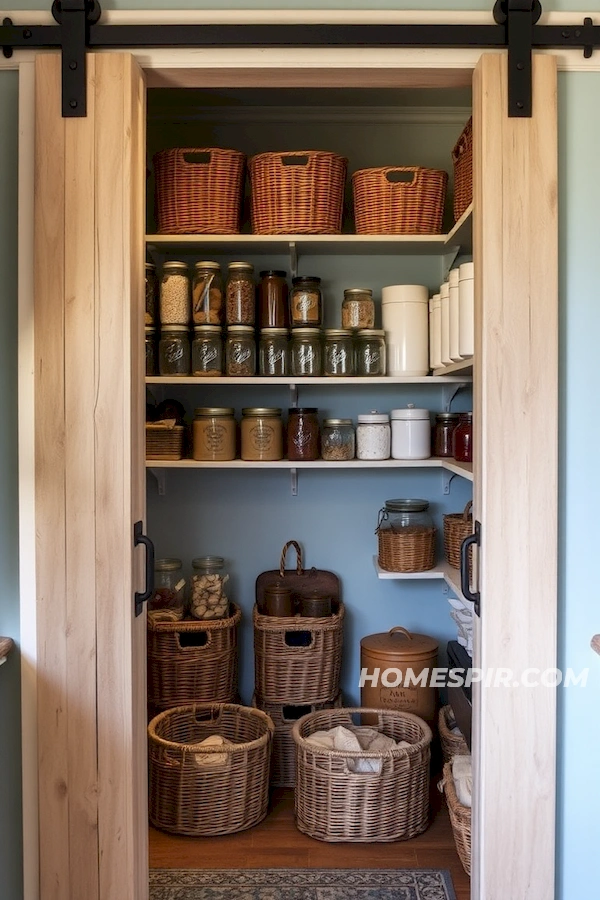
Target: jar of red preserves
{"x": 463, "y": 438}
{"x": 303, "y": 433}
{"x": 443, "y": 434}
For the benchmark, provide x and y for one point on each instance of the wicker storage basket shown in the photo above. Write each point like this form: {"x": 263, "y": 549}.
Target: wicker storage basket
{"x": 209, "y": 790}
{"x": 283, "y": 716}
{"x": 198, "y": 190}
{"x": 460, "y": 819}
{"x": 297, "y": 659}
{"x": 297, "y": 193}
{"x": 457, "y": 526}
{"x": 334, "y": 803}
{"x": 452, "y": 744}
{"x": 406, "y": 550}
{"x": 462, "y": 157}
{"x": 383, "y": 204}
{"x": 164, "y": 441}
{"x": 192, "y": 661}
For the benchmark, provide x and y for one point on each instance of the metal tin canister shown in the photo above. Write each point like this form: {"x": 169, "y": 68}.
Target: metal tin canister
{"x": 396, "y": 654}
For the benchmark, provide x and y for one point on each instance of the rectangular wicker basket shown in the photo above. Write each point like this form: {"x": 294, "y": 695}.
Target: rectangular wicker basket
{"x": 452, "y": 744}
{"x": 164, "y": 441}
{"x": 460, "y": 819}
{"x": 462, "y": 157}
{"x": 399, "y": 200}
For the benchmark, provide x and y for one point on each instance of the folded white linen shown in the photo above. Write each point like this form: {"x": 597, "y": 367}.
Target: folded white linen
{"x": 463, "y": 779}
{"x": 360, "y": 738}
{"x": 212, "y": 759}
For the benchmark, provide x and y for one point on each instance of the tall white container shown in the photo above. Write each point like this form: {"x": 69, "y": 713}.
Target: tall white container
{"x": 411, "y": 433}
{"x": 436, "y": 326}
{"x": 466, "y": 310}
{"x": 445, "y": 298}
{"x": 453, "y": 279}
{"x": 405, "y": 317}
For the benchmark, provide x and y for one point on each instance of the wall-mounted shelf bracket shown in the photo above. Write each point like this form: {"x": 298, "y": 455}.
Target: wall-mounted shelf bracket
{"x": 161, "y": 480}
{"x": 448, "y": 260}
{"x": 447, "y": 478}
{"x": 293, "y": 258}
{"x": 294, "y": 481}
{"x": 293, "y": 395}
{"x": 449, "y": 392}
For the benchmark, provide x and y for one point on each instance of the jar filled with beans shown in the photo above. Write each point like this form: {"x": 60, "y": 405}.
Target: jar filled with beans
{"x": 175, "y": 294}
{"x": 337, "y": 440}
{"x": 207, "y": 294}
{"x": 306, "y": 302}
{"x": 240, "y": 294}
{"x": 240, "y": 351}
{"x": 358, "y": 308}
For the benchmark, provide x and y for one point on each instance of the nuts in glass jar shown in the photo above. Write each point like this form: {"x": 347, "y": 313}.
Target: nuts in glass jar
{"x": 306, "y": 301}
{"x": 358, "y": 309}
{"x": 207, "y": 294}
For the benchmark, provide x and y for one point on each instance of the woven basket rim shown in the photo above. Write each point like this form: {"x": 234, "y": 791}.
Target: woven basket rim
{"x": 393, "y": 753}
{"x": 452, "y": 797}
{"x": 382, "y": 170}
{"x": 163, "y": 429}
{"x": 465, "y": 516}
{"x": 224, "y": 748}
{"x": 198, "y": 624}
{"x": 463, "y": 137}
{"x": 272, "y": 153}
{"x": 298, "y": 623}
{"x": 198, "y": 150}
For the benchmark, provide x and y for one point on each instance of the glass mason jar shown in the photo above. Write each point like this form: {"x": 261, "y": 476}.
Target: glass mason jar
{"x": 175, "y": 306}
{"x": 463, "y": 438}
{"x": 207, "y": 294}
{"x": 240, "y": 351}
{"x": 151, "y": 295}
{"x": 273, "y": 352}
{"x": 338, "y": 352}
{"x": 240, "y": 294}
{"x": 213, "y": 433}
{"x": 169, "y": 588}
{"x": 399, "y": 514}
{"x": 305, "y": 352}
{"x": 337, "y": 439}
{"x": 373, "y": 436}
{"x": 306, "y": 302}
{"x": 174, "y": 357}
{"x": 262, "y": 433}
{"x": 273, "y": 299}
{"x": 303, "y": 433}
{"x": 207, "y": 351}
{"x": 443, "y": 432}
{"x": 151, "y": 350}
{"x": 208, "y": 599}
{"x": 358, "y": 308}
{"x": 370, "y": 352}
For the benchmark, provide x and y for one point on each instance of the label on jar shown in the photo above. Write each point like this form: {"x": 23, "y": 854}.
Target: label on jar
{"x": 240, "y": 354}
{"x": 306, "y": 356}
{"x": 262, "y": 436}
{"x": 338, "y": 358}
{"x": 173, "y": 351}
{"x": 207, "y": 353}
{"x": 214, "y": 437}
{"x": 371, "y": 357}
{"x": 274, "y": 356}
{"x": 302, "y": 440}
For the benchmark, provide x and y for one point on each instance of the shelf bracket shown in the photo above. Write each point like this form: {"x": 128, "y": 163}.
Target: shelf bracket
{"x": 161, "y": 480}
{"x": 294, "y": 481}
{"x": 447, "y": 478}
{"x": 293, "y": 258}
{"x": 449, "y": 392}
{"x": 293, "y": 395}
{"x": 448, "y": 260}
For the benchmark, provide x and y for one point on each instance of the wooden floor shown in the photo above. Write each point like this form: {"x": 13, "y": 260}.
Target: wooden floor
{"x": 276, "y": 843}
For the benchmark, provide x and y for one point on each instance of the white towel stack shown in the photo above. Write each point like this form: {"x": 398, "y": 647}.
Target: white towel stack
{"x": 462, "y": 613}
{"x": 463, "y": 779}
{"x": 355, "y": 740}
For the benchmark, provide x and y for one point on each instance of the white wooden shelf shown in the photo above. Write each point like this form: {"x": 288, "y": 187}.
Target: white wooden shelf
{"x": 442, "y": 572}
{"x": 464, "y": 470}
{"x": 432, "y": 463}
{"x": 465, "y": 367}
{"x": 304, "y": 380}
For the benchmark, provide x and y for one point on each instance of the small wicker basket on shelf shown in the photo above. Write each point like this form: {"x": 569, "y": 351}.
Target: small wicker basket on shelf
{"x": 462, "y": 157}
{"x": 164, "y": 441}
{"x": 452, "y": 744}
{"x": 460, "y": 819}
{"x": 399, "y": 200}
{"x": 457, "y": 527}
{"x": 407, "y": 550}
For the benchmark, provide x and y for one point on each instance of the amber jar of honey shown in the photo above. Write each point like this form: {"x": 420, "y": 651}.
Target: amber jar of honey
{"x": 262, "y": 433}
{"x": 214, "y": 433}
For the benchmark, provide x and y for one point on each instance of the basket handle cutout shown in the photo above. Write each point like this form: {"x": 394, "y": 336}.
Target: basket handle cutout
{"x": 201, "y": 158}
{"x": 295, "y": 160}
{"x": 293, "y": 713}
{"x": 168, "y": 759}
{"x": 298, "y": 550}
{"x": 399, "y": 629}
{"x": 397, "y": 176}
{"x": 298, "y": 638}
{"x": 212, "y": 715}
{"x": 193, "y": 639}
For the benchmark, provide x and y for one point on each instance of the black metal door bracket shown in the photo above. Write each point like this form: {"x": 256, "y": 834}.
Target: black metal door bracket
{"x": 75, "y": 18}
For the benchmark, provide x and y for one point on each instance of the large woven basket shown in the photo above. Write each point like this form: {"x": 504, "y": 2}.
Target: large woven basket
{"x": 192, "y": 661}
{"x": 334, "y": 803}
{"x": 197, "y": 790}
{"x": 462, "y": 157}
{"x": 399, "y": 200}
{"x": 164, "y": 441}
{"x": 297, "y": 659}
{"x": 460, "y": 819}
{"x": 457, "y": 527}
{"x": 284, "y": 717}
{"x": 406, "y": 550}
{"x": 199, "y": 190}
{"x": 452, "y": 744}
{"x": 297, "y": 193}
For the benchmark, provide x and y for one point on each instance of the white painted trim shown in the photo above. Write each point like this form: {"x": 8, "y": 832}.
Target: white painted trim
{"x": 27, "y": 583}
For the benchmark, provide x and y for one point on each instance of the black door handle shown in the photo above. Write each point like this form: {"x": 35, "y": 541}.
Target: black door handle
{"x": 474, "y": 540}
{"x": 140, "y": 538}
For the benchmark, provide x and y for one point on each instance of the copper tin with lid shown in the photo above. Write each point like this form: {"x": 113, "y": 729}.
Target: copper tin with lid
{"x": 315, "y": 605}
{"x": 277, "y": 601}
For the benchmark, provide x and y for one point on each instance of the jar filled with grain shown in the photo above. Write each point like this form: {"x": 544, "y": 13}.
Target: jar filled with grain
{"x": 306, "y": 357}
{"x": 175, "y": 303}
{"x": 262, "y": 433}
{"x": 373, "y": 436}
{"x": 214, "y": 433}
{"x": 151, "y": 317}
{"x": 151, "y": 350}
{"x": 303, "y": 433}
{"x": 273, "y": 352}
{"x": 207, "y": 294}
{"x": 208, "y": 598}
{"x": 338, "y": 352}
{"x": 358, "y": 308}
{"x": 240, "y": 294}
{"x": 240, "y": 351}
{"x": 337, "y": 440}
{"x": 306, "y": 302}
{"x": 370, "y": 352}
{"x": 174, "y": 352}
{"x": 168, "y": 598}
{"x": 273, "y": 299}
{"x": 207, "y": 351}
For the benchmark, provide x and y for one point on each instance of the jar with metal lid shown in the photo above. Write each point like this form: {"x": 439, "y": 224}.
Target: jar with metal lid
{"x": 169, "y": 589}
{"x": 207, "y": 351}
{"x": 273, "y": 352}
{"x": 262, "y": 433}
{"x": 358, "y": 308}
{"x": 151, "y": 317}
{"x": 151, "y": 350}
{"x": 443, "y": 432}
{"x": 411, "y": 433}
{"x": 463, "y": 438}
{"x": 273, "y": 299}
{"x": 175, "y": 307}
{"x": 213, "y": 433}
{"x": 240, "y": 294}
{"x": 208, "y": 599}
{"x": 303, "y": 433}
{"x": 373, "y": 436}
{"x": 338, "y": 352}
{"x": 337, "y": 440}
{"x": 207, "y": 294}
{"x": 240, "y": 351}
{"x": 306, "y": 356}
{"x": 174, "y": 356}
{"x": 306, "y": 302}
{"x": 370, "y": 356}
{"x": 406, "y": 536}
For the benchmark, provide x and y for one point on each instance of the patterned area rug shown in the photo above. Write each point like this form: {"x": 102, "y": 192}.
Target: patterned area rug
{"x": 301, "y": 884}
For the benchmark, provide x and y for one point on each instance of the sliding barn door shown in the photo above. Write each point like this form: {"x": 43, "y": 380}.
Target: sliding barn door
{"x": 516, "y": 403}
{"x": 89, "y": 269}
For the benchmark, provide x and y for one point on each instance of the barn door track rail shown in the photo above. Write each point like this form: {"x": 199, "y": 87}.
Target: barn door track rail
{"x": 79, "y": 29}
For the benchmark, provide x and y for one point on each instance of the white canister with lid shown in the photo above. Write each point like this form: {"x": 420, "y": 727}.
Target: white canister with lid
{"x": 466, "y": 310}
{"x": 445, "y": 304}
{"x": 454, "y": 315}
{"x": 373, "y": 436}
{"x": 405, "y": 318}
{"x": 436, "y": 325}
{"x": 411, "y": 433}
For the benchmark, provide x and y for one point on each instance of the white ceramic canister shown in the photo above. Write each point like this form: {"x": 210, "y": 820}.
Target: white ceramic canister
{"x": 405, "y": 318}
{"x": 431, "y": 333}
{"x": 454, "y": 315}
{"x": 445, "y": 302}
{"x": 411, "y": 433}
{"x": 436, "y": 324}
{"x": 466, "y": 310}
{"x": 373, "y": 436}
